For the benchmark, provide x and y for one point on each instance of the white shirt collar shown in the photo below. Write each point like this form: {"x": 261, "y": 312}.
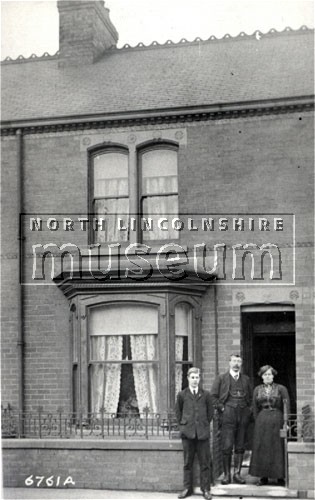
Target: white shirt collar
{"x": 233, "y": 374}
{"x": 193, "y": 391}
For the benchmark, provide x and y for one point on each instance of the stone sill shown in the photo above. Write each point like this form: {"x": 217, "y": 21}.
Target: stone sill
{"x": 94, "y": 444}
{"x": 300, "y": 447}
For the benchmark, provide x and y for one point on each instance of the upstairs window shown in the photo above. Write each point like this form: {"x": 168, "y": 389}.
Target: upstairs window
{"x": 134, "y": 194}
{"x": 159, "y": 191}
{"x": 110, "y": 193}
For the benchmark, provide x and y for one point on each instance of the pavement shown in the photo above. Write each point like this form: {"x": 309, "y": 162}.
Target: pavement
{"x": 87, "y": 494}
{"x": 84, "y": 494}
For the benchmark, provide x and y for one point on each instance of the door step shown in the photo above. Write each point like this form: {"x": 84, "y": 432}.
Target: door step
{"x": 251, "y": 490}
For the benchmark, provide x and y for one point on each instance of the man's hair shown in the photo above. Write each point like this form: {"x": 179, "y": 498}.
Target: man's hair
{"x": 193, "y": 369}
{"x": 236, "y": 355}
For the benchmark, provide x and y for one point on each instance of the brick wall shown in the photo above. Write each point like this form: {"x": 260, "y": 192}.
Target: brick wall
{"x": 301, "y": 468}
{"x": 258, "y": 164}
{"x": 125, "y": 465}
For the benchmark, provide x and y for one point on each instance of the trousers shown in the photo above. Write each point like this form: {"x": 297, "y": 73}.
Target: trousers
{"x": 233, "y": 432}
{"x": 202, "y": 448}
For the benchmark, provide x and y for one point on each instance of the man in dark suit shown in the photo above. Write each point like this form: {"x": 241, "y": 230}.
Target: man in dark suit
{"x": 232, "y": 396}
{"x": 194, "y": 413}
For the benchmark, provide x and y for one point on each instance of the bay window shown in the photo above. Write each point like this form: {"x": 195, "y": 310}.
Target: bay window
{"x": 132, "y": 351}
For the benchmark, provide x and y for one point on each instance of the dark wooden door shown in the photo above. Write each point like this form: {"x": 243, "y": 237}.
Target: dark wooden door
{"x": 269, "y": 338}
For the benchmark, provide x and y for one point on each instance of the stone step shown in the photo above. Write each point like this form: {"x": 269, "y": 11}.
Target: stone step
{"x": 251, "y": 490}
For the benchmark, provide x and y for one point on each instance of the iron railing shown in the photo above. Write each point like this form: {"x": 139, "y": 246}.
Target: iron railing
{"x": 146, "y": 425}
{"x": 299, "y": 428}
{"x": 40, "y": 424}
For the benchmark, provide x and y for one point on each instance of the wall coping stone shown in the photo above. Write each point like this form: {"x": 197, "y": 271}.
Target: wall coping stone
{"x": 301, "y": 447}
{"x": 93, "y": 444}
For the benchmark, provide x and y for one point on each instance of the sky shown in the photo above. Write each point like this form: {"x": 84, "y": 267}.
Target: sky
{"x": 31, "y": 27}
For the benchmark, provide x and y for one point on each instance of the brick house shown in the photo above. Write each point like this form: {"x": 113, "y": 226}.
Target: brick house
{"x": 132, "y": 179}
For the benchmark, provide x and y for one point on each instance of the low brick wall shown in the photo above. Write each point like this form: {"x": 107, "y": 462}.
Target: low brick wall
{"x": 301, "y": 468}
{"x": 122, "y": 465}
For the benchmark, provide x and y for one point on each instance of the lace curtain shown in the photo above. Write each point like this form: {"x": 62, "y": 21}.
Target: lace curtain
{"x": 155, "y": 207}
{"x": 110, "y": 209}
{"x": 143, "y": 347}
{"x": 106, "y": 377}
{"x": 179, "y": 353}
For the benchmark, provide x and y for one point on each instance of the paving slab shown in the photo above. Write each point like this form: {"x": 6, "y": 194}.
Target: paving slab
{"x": 85, "y": 494}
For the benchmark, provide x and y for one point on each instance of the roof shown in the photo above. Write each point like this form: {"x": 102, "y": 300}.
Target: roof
{"x": 200, "y": 73}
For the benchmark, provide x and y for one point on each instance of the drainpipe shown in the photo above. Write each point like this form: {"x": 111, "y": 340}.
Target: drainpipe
{"x": 216, "y": 335}
{"x": 20, "y": 238}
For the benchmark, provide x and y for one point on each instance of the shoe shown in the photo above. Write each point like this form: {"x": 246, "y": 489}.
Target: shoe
{"x": 185, "y": 493}
{"x": 237, "y": 478}
{"x": 281, "y": 482}
{"x": 262, "y": 481}
{"x": 226, "y": 479}
{"x": 207, "y": 495}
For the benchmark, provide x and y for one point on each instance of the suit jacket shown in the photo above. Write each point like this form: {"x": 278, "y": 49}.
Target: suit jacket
{"x": 221, "y": 386}
{"x": 194, "y": 414}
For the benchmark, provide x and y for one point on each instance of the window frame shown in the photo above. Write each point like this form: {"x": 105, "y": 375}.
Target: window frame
{"x": 143, "y": 149}
{"x": 102, "y": 149}
{"x": 196, "y": 337}
{"x": 134, "y": 153}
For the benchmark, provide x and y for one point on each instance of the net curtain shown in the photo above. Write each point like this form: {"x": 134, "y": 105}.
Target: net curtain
{"x": 106, "y": 377}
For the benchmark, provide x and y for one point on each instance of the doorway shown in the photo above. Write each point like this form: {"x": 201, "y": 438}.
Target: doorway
{"x": 268, "y": 337}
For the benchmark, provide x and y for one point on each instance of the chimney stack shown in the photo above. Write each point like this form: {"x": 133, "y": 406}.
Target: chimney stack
{"x": 85, "y": 31}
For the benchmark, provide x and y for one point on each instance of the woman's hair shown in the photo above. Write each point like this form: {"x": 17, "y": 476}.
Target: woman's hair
{"x": 264, "y": 368}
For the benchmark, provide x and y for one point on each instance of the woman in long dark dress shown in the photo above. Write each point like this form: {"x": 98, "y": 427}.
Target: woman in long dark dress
{"x": 267, "y": 459}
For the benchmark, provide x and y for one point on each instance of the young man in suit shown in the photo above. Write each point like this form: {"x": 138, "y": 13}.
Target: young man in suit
{"x": 194, "y": 413}
{"x": 232, "y": 396}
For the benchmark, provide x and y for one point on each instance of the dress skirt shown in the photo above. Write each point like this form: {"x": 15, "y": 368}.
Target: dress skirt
{"x": 267, "y": 458}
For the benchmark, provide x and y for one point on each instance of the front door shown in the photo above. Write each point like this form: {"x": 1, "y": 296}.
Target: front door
{"x": 268, "y": 337}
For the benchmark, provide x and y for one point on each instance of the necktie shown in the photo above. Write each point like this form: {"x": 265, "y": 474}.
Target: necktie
{"x": 235, "y": 377}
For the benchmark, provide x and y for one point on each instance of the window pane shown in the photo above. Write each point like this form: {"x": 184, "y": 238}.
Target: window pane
{"x": 123, "y": 347}
{"x": 159, "y": 177}
{"x": 155, "y": 208}
{"x": 105, "y": 387}
{"x": 123, "y": 319}
{"x": 183, "y": 344}
{"x": 106, "y": 348}
{"x": 110, "y": 210}
{"x": 111, "y": 175}
{"x": 126, "y": 334}
{"x": 159, "y": 172}
{"x": 138, "y": 392}
{"x": 183, "y": 319}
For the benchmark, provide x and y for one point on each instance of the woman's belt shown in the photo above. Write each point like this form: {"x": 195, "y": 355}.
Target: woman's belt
{"x": 268, "y": 407}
